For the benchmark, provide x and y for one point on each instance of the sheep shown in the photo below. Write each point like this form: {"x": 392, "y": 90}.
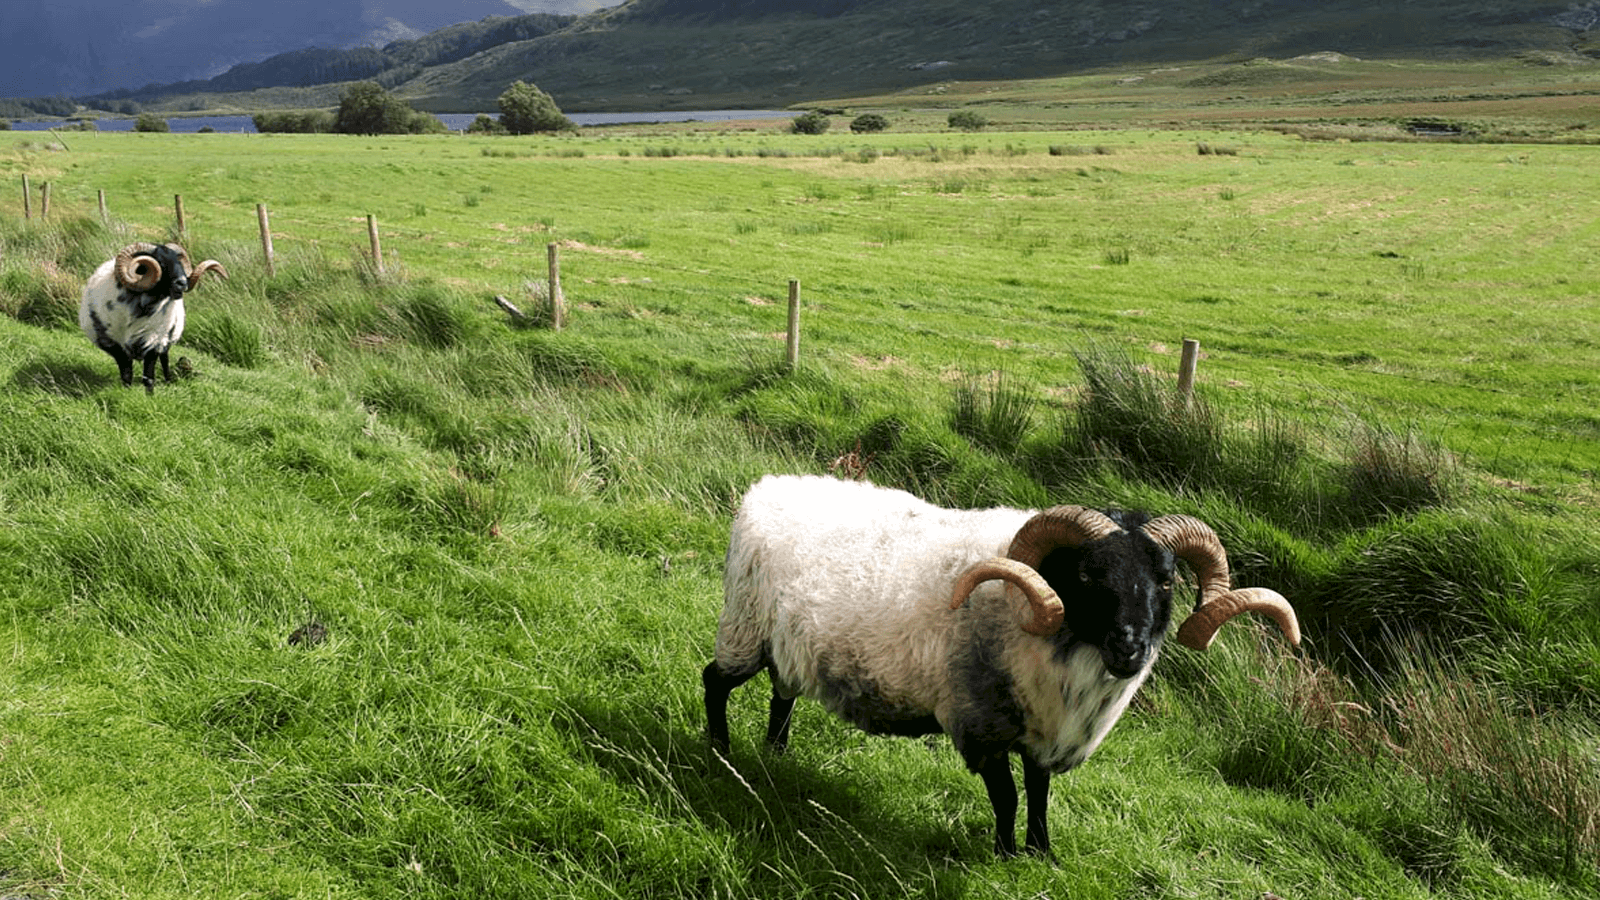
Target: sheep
{"x": 132, "y": 305}
{"x": 857, "y": 596}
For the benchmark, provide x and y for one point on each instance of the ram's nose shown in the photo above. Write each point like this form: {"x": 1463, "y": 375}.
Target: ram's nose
{"x": 1125, "y": 653}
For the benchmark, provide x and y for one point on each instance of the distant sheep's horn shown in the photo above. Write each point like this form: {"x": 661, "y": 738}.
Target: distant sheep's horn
{"x": 209, "y": 265}
{"x": 136, "y": 269}
{"x": 1056, "y": 527}
{"x": 1194, "y": 542}
{"x": 1200, "y": 628}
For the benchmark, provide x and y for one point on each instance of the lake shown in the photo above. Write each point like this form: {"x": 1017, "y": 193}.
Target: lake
{"x": 453, "y": 121}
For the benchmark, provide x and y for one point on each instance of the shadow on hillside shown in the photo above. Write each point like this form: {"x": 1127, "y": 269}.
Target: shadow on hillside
{"x": 797, "y": 825}
{"x": 66, "y": 377}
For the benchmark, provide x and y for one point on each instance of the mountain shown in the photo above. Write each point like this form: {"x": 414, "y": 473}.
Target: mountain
{"x": 706, "y": 53}
{"x": 651, "y": 54}
{"x": 78, "y": 47}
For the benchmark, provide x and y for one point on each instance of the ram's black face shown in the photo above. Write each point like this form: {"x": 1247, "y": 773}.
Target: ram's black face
{"x": 174, "y": 274}
{"x": 1117, "y": 596}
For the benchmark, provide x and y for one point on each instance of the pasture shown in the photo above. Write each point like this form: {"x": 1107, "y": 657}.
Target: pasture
{"x": 394, "y": 599}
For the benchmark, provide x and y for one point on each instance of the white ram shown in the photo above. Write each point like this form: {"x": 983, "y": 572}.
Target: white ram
{"x": 132, "y": 305}
{"x": 857, "y": 596}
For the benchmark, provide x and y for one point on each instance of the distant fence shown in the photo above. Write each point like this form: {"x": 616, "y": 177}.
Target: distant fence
{"x": 555, "y": 300}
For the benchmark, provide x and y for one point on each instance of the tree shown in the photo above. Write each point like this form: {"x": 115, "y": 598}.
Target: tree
{"x": 485, "y": 125}
{"x": 366, "y": 108}
{"x": 813, "y": 122}
{"x": 868, "y": 123}
{"x": 524, "y": 109}
{"x": 967, "y": 120}
{"x": 151, "y": 122}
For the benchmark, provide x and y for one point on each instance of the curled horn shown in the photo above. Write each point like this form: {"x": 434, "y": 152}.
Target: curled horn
{"x": 136, "y": 269}
{"x": 1194, "y": 542}
{"x": 1056, "y": 527}
{"x": 209, "y": 265}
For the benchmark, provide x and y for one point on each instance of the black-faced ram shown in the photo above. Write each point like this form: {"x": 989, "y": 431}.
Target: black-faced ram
{"x": 133, "y": 305}
{"x": 1013, "y": 631}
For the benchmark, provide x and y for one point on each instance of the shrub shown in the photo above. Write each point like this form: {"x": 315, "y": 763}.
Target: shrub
{"x": 524, "y": 109}
{"x": 485, "y": 124}
{"x": 151, "y": 122}
{"x": 868, "y": 123}
{"x": 366, "y": 108}
{"x": 967, "y": 120}
{"x": 316, "y": 121}
{"x": 813, "y": 122}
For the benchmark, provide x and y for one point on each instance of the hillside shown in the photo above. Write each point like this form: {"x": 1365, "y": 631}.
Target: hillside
{"x": 51, "y": 51}
{"x": 648, "y": 54}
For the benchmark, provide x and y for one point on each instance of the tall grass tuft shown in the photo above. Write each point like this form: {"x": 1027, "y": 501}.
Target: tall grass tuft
{"x": 1524, "y": 782}
{"x": 1389, "y": 471}
{"x": 994, "y": 412}
{"x": 231, "y": 340}
{"x": 1130, "y": 416}
{"x": 1449, "y": 577}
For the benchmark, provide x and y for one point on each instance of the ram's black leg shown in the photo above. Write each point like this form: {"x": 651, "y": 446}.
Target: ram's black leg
{"x": 718, "y": 686}
{"x": 166, "y": 371}
{"x": 996, "y": 773}
{"x": 150, "y": 372}
{"x": 778, "y": 715}
{"x": 124, "y": 362}
{"x": 1036, "y": 782}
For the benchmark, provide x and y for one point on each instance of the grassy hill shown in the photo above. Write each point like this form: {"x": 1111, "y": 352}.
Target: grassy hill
{"x": 392, "y": 598}
{"x": 649, "y": 54}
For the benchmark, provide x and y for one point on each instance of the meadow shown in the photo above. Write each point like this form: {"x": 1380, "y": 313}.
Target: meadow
{"x": 394, "y": 597}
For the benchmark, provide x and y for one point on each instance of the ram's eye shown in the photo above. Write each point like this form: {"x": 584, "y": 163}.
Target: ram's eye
{"x": 1166, "y": 585}
{"x": 1083, "y": 576}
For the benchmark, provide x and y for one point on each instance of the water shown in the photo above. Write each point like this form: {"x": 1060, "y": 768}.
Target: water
{"x": 453, "y": 121}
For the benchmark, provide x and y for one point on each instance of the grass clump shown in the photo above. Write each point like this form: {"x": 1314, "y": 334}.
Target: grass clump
{"x": 1129, "y": 416}
{"x": 1396, "y": 471}
{"x": 232, "y": 340}
{"x": 993, "y": 412}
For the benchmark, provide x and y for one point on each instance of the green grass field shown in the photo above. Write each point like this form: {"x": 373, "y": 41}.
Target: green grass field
{"x": 391, "y": 598}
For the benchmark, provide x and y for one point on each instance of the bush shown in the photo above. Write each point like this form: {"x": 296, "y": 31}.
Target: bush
{"x": 524, "y": 109}
{"x": 868, "y": 123}
{"x": 366, "y": 108}
{"x": 316, "y": 121}
{"x": 813, "y": 122}
{"x": 483, "y": 124}
{"x": 967, "y": 120}
{"x": 151, "y": 122}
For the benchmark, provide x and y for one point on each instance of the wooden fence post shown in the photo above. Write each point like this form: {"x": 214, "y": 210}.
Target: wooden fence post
{"x": 558, "y": 303}
{"x": 177, "y": 206}
{"x": 266, "y": 236}
{"x": 792, "y": 352}
{"x": 44, "y": 202}
{"x": 377, "y": 248}
{"x": 104, "y": 219}
{"x": 1186, "y": 368}
{"x": 27, "y": 198}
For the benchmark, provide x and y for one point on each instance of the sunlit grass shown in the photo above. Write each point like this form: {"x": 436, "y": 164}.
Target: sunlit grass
{"x": 511, "y": 537}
